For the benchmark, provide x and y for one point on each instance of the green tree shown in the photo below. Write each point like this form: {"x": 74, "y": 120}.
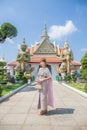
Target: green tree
{"x": 3, "y": 71}
{"x": 7, "y": 30}
{"x": 84, "y": 66}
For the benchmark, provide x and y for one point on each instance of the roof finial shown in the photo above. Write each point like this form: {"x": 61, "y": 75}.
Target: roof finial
{"x": 45, "y": 28}
{"x": 23, "y": 43}
{"x": 44, "y": 21}
{"x": 45, "y": 35}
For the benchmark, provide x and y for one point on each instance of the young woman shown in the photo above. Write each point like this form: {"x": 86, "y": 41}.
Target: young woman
{"x": 46, "y": 93}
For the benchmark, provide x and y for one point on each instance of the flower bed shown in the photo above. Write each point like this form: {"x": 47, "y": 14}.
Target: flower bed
{"x": 9, "y": 88}
{"x": 79, "y": 86}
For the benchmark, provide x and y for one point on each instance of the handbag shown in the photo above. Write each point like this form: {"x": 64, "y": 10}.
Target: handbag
{"x": 38, "y": 86}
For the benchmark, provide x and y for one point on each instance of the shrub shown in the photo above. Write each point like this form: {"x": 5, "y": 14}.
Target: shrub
{"x": 19, "y": 76}
{"x": 84, "y": 73}
{"x": 85, "y": 87}
{"x": 73, "y": 77}
{"x": 1, "y": 77}
{"x": 68, "y": 77}
{"x": 1, "y": 89}
{"x": 4, "y": 79}
{"x": 84, "y": 66}
{"x": 9, "y": 85}
{"x": 24, "y": 79}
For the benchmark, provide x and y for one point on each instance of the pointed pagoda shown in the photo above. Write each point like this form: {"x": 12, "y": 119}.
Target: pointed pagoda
{"x": 45, "y": 34}
{"x": 45, "y": 46}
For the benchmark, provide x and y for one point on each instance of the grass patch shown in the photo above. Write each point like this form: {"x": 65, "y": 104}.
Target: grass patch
{"x": 13, "y": 87}
{"x": 79, "y": 86}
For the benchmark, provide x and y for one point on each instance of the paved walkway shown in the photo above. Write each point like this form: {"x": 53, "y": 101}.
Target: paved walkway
{"x": 19, "y": 112}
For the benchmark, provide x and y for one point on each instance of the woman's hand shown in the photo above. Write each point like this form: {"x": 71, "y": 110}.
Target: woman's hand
{"x": 40, "y": 81}
{"x": 45, "y": 79}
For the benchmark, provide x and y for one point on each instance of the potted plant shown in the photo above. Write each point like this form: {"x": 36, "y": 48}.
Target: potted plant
{"x": 28, "y": 78}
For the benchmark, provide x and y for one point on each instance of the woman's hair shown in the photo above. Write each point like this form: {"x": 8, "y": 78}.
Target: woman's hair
{"x": 43, "y": 60}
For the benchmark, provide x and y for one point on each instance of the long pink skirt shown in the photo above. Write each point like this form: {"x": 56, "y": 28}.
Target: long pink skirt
{"x": 46, "y": 95}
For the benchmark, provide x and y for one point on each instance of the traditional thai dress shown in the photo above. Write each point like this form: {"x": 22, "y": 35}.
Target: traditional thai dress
{"x": 46, "y": 94}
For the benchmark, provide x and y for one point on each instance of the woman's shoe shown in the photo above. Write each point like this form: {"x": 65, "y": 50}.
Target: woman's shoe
{"x": 42, "y": 112}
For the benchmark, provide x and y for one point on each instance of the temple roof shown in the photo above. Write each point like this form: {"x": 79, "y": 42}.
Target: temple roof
{"x": 52, "y": 60}
{"x": 45, "y": 46}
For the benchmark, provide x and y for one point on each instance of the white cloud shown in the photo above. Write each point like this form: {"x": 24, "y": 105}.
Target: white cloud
{"x": 58, "y": 31}
{"x": 83, "y": 49}
{"x": 9, "y": 40}
{"x": 36, "y": 42}
{"x": 32, "y": 45}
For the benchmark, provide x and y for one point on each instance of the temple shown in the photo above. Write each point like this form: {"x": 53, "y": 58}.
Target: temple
{"x": 59, "y": 60}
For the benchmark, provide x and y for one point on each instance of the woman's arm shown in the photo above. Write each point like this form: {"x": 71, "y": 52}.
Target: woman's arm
{"x": 48, "y": 78}
{"x": 36, "y": 78}
{"x": 45, "y": 79}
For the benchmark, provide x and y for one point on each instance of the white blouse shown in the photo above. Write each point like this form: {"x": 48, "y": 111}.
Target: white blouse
{"x": 44, "y": 72}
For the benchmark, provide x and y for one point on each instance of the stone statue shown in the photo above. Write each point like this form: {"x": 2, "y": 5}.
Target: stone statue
{"x": 23, "y": 58}
{"x": 67, "y": 57}
{"x": 62, "y": 69}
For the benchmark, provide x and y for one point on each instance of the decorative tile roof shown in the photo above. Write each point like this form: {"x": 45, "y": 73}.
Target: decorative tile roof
{"x": 45, "y": 47}
{"x": 76, "y": 63}
{"x": 14, "y": 63}
{"x": 52, "y": 60}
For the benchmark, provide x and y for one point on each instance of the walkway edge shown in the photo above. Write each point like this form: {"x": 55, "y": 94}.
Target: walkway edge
{"x": 12, "y": 93}
{"x": 78, "y": 91}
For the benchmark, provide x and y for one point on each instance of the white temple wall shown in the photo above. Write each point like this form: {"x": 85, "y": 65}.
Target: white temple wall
{"x": 11, "y": 70}
{"x": 54, "y": 72}
{"x": 53, "y": 66}
{"x": 34, "y": 73}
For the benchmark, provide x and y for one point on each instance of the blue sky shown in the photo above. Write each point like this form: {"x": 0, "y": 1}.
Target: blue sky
{"x": 64, "y": 18}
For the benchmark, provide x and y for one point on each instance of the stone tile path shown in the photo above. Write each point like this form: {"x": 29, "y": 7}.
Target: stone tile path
{"x": 19, "y": 112}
